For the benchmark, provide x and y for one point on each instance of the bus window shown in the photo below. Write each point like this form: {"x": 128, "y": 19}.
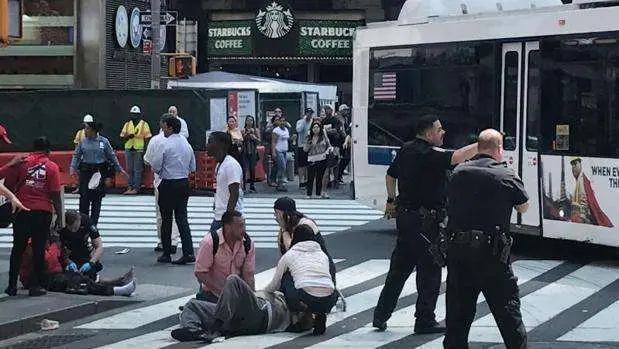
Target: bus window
{"x": 533, "y": 101}
{"x": 510, "y": 106}
{"x": 578, "y": 96}
{"x": 455, "y": 81}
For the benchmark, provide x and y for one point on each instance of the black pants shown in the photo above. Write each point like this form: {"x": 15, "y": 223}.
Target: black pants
{"x": 411, "y": 251}
{"x": 295, "y": 296}
{"x": 344, "y": 162}
{"x": 68, "y": 280}
{"x": 90, "y": 200}
{"x": 469, "y": 272}
{"x": 34, "y": 225}
{"x": 250, "y": 161}
{"x": 315, "y": 172}
{"x": 173, "y": 197}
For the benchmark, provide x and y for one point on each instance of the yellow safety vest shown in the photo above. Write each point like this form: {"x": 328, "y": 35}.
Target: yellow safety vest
{"x": 140, "y": 132}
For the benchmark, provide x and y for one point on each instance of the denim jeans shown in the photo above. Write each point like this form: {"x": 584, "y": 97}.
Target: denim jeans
{"x": 281, "y": 167}
{"x": 135, "y": 166}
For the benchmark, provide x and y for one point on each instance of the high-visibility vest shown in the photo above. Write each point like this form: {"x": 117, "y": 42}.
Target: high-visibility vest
{"x": 140, "y": 132}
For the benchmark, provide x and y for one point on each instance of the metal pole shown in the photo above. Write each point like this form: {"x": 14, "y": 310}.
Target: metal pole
{"x": 155, "y": 64}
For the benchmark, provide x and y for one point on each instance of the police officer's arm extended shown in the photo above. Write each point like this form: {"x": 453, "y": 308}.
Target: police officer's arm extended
{"x": 464, "y": 153}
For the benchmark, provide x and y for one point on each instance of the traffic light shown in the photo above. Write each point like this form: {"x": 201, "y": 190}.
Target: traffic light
{"x": 182, "y": 66}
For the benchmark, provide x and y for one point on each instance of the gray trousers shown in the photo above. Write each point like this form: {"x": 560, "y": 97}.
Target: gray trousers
{"x": 238, "y": 310}
{"x": 135, "y": 165}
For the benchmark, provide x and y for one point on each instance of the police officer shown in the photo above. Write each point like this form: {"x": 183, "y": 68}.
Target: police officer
{"x": 481, "y": 195}
{"x": 420, "y": 171}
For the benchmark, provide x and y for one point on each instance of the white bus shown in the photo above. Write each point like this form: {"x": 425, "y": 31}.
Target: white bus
{"x": 546, "y": 76}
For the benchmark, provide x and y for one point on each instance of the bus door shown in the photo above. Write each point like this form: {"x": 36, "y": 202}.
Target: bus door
{"x": 529, "y": 160}
{"x": 511, "y": 88}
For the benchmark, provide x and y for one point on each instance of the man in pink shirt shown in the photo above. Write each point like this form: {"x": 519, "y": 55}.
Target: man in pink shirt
{"x": 228, "y": 251}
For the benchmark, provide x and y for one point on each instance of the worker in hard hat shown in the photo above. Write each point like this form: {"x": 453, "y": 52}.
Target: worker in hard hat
{"x": 79, "y": 135}
{"x": 135, "y": 132}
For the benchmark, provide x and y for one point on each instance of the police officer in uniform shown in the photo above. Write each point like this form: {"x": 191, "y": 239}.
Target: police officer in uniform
{"x": 481, "y": 196}
{"x": 420, "y": 171}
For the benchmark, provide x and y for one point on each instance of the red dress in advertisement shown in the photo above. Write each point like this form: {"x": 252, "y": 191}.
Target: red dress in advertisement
{"x": 599, "y": 216}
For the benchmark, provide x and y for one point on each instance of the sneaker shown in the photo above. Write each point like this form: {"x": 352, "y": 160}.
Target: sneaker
{"x": 380, "y": 325}
{"x": 185, "y": 260}
{"x": 187, "y": 334}
{"x": 252, "y": 189}
{"x": 429, "y": 328}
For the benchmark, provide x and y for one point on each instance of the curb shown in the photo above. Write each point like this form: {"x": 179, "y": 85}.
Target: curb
{"x": 72, "y": 313}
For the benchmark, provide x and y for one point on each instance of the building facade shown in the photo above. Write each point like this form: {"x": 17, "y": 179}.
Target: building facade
{"x": 302, "y": 40}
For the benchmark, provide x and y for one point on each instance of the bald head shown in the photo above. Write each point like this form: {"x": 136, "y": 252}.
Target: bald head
{"x": 172, "y": 110}
{"x": 490, "y": 142}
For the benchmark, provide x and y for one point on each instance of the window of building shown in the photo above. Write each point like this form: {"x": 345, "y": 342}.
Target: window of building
{"x": 334, "y": 73}
{"x": 510, "y": 100}
{"x": 534, "y": 94}
{"x": 457, "y": 81}
{"x": 580, "y": 96}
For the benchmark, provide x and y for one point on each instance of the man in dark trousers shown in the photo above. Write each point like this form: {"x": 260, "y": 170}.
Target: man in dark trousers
{"x": 172, "y": 164}
{"x": 420, "y": 172}
{"x": 482, "y": 194}
{"x": 82, "y": 244}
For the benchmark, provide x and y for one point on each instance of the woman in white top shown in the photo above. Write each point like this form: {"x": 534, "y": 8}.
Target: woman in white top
{"x": 303, "y": 276}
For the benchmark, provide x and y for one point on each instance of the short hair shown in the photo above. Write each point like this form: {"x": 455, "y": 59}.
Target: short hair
{"x": 71, "y": 216}
{"x": 222, "y": 138}
{"x": 425, "y": 122}
{"x": 42, "y": 144}
{"x": 174, "y": 123}
{"x": 228, "y": 217}
{"x": 164, "y": 116}
{"x": 489, "y": 139}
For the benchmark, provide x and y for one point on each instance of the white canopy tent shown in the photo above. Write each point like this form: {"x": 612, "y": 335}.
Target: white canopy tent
{"x": 224, "y": 80}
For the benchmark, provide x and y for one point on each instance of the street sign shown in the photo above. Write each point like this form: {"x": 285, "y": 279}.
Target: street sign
{"x": 147, "y": 47}
{"x": 167, "y": 17}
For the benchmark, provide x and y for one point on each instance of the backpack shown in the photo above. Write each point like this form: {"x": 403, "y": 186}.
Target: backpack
{"x": 215, "y": 237}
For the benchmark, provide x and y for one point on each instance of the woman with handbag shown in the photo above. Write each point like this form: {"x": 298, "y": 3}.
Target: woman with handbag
{"x": 251, "y": 140}
{"x": 319, "y": 148}
{"x": 91, "y": 159}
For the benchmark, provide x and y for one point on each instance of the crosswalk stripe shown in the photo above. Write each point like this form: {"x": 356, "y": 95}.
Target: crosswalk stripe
{"x": 367, "y": 270}
{"x": 401, "y": 322}
{"x": 602, "y": 327}
{"x": 545, "y": 303}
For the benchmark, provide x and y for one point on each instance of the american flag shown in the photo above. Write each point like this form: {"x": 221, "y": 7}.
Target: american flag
{"x": 385, "y": 86}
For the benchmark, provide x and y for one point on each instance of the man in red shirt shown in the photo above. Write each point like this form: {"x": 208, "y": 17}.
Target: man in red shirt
{"x": 36, "y": 183}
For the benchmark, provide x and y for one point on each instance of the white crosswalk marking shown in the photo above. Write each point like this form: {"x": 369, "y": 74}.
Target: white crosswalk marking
{"x": 540, "y": 306}
{"x": 130, "y": 221}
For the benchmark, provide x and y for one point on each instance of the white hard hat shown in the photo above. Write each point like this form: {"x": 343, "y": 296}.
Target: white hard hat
{"x": 343, "y": 107}
{"x": 88, "y": 118}
{"x": 135, "y": 110}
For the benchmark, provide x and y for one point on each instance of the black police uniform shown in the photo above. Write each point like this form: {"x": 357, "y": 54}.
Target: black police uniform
{"x": 481, "y": 195}
{"x": 78, "y": 247}
{"x": 421, "y": 170}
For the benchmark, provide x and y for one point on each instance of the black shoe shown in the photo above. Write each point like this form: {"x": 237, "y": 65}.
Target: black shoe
{"x": 164, "y": 259}
{"x": 187, "y": 334}
{"x": 11, "y": 291}
{"x": 380, "y": 325}
{"x": 429, "y": 328}
{"x": 173, "y": 250}
{"x": 320, "y": 324}
{"x": 185, "y": 260}
{"x": 252, "y": 189}
{"x": 36, "y": 292}
{"x": 158, "y": 248}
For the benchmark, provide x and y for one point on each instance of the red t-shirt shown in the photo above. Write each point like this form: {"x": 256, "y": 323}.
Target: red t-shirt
{"x": 34, "y": 180}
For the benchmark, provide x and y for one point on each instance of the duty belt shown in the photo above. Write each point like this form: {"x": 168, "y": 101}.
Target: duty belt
{"x": 470, "y": 237}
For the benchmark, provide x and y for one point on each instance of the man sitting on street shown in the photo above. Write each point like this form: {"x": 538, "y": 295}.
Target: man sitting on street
{"x": 82, "y": 246}
{"x": 239, "y": 311}
{"x": 228, "y": 251}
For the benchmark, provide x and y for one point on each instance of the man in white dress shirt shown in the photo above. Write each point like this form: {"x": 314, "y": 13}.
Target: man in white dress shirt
{"x": 173, "y": 163}
{"x": 154, "y": 147}
{"x": 184, "y": 129}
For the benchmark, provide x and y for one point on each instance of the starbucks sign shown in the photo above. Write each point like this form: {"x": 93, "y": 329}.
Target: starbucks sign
{"x": 276, "y": 33}
{"x": 275, "y": 21}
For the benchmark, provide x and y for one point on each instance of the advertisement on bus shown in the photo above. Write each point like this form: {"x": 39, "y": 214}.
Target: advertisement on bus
{"x": 581, "y": 190}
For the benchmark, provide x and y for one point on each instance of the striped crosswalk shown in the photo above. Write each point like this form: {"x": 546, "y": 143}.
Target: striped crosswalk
{"x": 130, "y": 221}
{"x": 551, "y": 293}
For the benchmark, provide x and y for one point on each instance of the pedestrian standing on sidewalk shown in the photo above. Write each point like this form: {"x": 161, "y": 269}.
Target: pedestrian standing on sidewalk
{"x": 173, "y": 164}
{"x": 318, "y": 147}
{"x": 303, "y": 130}
{"x": 184, "y": 129}
{"x": 228, "y": 194}
{"x": 91, "y": 159}
{"x": 279, "y": 148}
{"x": 135, "y": 132}
{"x": 36, "y": 182}
{"x": 251, "y": 140}
{"x": 236, "y": 135}
{"x": 155, "y": 145}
